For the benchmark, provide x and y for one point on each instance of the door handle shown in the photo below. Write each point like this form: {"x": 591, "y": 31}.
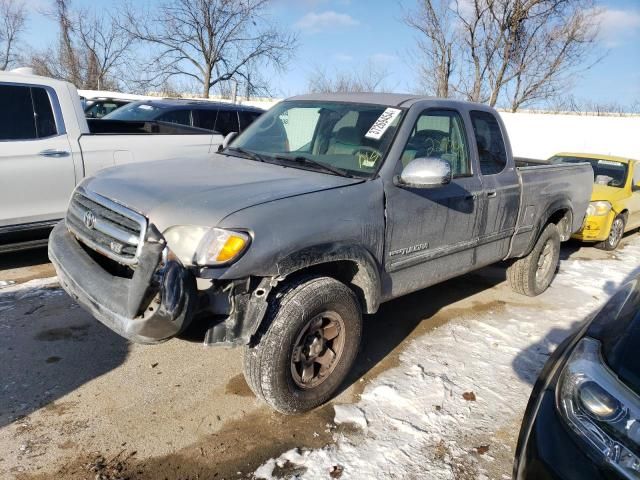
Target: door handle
{"x": 54, "y": 153}
{"x": 492, "y": 194}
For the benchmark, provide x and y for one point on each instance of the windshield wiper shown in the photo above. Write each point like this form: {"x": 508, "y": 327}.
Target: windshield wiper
{"x": 314, "y": 163}
{"x": 245, "y": 153}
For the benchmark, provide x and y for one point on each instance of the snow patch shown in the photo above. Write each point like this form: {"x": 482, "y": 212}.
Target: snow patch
{"x": 421, "y": 419}
{"x": 350, "y": 414}
{"x": 36, "y": 284}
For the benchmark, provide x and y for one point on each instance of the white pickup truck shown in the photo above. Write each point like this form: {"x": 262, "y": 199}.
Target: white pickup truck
{"x": 47, "y": 147}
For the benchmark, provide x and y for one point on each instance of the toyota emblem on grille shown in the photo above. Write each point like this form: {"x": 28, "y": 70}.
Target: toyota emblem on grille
{"x": 89, "y": 219}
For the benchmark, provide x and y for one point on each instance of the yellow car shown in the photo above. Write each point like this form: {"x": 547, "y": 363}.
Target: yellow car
{"x": 615, "y": 201}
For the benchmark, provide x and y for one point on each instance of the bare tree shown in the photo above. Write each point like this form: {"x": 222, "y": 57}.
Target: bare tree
{"x": 370, "y": 78}
{"x": 436, "y": 44}
{"x": 514, "y": 52}
{"x": 13, "y": 19}
{"x": 211, "y": 41}
{"x": 92, "y": 52}
{"x": 573, "y": 105}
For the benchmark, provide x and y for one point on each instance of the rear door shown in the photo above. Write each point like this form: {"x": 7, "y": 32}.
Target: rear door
{"x": 432, "y": 232}
{"x": 501, "y": 195}
{"x": 37, "y": 172}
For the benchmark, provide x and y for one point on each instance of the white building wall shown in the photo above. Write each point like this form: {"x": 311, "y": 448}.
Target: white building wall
{"x": 541, "y": 135}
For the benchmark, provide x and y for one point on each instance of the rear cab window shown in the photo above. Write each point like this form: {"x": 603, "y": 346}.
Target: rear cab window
{"x": 492, "y": 152}
{"x": 26, "y": 113}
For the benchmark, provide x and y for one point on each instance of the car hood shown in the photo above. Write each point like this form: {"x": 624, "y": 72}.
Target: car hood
{"x": 605, "y": 192}
{"x": 617, "y": 326}
{"x": 204, "y": 191}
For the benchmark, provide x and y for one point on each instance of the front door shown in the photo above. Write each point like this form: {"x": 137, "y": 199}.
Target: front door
{"x": 431, "y": 233}
{"x": 37, "y": 172}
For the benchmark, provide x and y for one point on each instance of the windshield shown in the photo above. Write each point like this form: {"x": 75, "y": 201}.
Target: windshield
{"x": 345, "y": 137}
{"x": 135, "y": 111}
{"x": 605, "y": 172}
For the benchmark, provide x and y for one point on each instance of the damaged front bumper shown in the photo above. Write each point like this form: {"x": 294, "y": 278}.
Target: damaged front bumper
{"x": 161, "y": 298}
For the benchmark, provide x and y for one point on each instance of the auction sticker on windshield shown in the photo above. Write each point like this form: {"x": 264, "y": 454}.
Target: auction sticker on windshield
{"x": 382, "y": 123}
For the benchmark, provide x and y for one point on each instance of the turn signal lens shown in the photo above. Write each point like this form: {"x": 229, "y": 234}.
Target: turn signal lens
{"x": 220, "y": 246}
{"x": 232, "y": 247}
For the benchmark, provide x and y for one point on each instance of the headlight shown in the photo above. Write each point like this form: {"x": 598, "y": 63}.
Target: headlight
{"x": 601, "y": 409}
{"x": 598, "y": 209}
{"x": 202, "y": 246}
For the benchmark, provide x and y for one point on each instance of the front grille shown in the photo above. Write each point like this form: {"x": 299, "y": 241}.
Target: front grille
{"x": 106, "y": 227}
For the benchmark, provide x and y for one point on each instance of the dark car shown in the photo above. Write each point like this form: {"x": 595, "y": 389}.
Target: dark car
{"x": 583, "y": 417}
{"x": 220, "y": 117}
{"x": 99, "y": 107}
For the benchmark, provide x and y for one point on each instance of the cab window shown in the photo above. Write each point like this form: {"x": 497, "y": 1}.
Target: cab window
{"x": 205, "y": 118}
{"x": 181, "y": 117}
{"x": 439, "y": 134}
{"x": 227, "y": 122}
{"x": 492, "y": 153}
{"x": 25, "y": 113}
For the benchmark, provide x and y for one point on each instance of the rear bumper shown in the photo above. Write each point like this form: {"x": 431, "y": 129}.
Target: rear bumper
{"x": 152, "y": 306}
{"x": 595, "y": 228}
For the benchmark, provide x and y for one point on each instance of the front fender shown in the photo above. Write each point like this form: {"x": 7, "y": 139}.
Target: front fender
{"x": 364, "y": 277}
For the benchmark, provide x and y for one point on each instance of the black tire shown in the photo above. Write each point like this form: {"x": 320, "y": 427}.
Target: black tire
{"x": 531, "y": 275}
{"x": 270, "y": 367}
{"x": 615, "y": 234}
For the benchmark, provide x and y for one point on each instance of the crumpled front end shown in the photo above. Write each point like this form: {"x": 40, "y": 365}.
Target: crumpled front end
{"x": 154, "y": 302}
{"x": 595, "y": 228}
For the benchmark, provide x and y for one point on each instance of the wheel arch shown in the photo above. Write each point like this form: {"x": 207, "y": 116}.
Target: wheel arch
{"x": 353, "y": 265}
{"x": 560, "y": 213}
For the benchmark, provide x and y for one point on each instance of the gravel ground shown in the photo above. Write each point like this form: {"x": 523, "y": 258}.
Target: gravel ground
{"x": 77, "y": 401}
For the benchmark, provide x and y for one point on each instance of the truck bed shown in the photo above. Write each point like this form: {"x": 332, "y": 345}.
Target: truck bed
{"x": 547, "y": 188}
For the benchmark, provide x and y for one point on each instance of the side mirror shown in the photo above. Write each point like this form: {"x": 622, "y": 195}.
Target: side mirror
{"x": 227, "y": 140}
{"x": 425, "y": 173}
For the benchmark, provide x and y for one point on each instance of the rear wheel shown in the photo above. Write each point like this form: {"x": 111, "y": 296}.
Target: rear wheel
{"x": 615, "y": 234}
{"x": 532, "y": 275}
{"x": 307, "y": 346}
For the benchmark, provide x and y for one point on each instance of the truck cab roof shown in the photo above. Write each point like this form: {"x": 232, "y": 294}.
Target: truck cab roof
{"x": 402, "y": 100}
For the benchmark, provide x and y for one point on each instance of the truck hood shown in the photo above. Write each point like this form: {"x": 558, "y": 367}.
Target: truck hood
{"x": 610, "y": 194}
{"x": 204, "y": 191}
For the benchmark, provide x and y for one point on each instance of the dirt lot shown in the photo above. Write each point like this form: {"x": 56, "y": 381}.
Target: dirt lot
{"x": 77, "y": 401}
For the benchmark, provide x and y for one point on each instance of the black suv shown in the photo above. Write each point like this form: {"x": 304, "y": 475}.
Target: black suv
{"x": 213, "y": 116}
{"x": 583, "y": 417}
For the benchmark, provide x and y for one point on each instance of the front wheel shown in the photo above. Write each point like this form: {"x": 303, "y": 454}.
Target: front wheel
{"x": 532, "y": 275}
{"x": 307, "y": 346}
{"x": 615, "y": 234}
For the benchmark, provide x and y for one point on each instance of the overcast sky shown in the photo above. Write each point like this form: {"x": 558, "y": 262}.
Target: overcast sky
{"x": 346, "y": 34}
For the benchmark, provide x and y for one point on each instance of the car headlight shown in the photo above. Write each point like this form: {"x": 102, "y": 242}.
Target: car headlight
{"x": 598, "y": 209}
{"x": 203, "y": 246}
{"x": 600, "y": 409}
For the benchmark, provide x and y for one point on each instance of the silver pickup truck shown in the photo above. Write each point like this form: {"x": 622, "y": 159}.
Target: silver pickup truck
{"x": 325, "y": 207}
